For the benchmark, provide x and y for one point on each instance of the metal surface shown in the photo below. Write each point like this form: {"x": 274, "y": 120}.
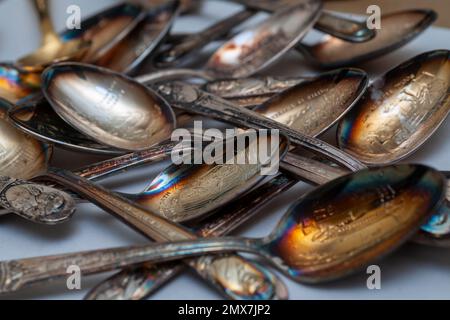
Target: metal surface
{"x": 397, "y": 30}
{"x": 400, "y": 111}
{"x": 128, "y": 54}
{"x": 52, "y": 49}
{"x": 16, "y": 84}
{"x": 107, "y": 106}
{"x": 345, "y": 220}
{"x": 260, "y": 46}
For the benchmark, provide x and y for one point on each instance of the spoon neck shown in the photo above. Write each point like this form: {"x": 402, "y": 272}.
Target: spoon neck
{"x": 48, "y": 32}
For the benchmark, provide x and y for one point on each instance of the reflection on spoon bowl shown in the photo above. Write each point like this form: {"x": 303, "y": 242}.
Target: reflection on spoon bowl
{"x": 400, "y": 111}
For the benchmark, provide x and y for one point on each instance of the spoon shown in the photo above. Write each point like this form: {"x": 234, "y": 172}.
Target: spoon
{"x": 106, "y": 29}
{"x": 397, "y": 30}
{"x": 115, "y": 111}
{"x": 184, "y": 96}
{"x": 255, "y": 282}
{"x": 186, "y": 6}
{"x": 335, "y": 25}
{"x": 16, "y": 84}
{"x": 52, "y": 49}
{"x": 400, "y": 111}
{"x": 344, "y": 28}
{"x": 331, "y": 232}
{"x": 261, "y": 45}
{"x": 34, "y": 202}
{"x": 128, "y": 54}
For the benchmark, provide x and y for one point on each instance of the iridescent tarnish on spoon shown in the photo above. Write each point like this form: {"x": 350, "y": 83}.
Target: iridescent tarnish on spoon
{"x": 335, "y": 230}
{"x": 400, "y": 111}
{"x": 52, "y": 49}
{"x": 313, "y": 106}
{"x": 16, "y": 84}
{"x": 107, "y": 106}
{"x": 397, "y": 30}
{"x": 186, "y": 192}
{"x": 260, "y": 46}
{"x": 106, "y": 29}
{"x": 232, "y": 282}
{"x": 135, "y": 48}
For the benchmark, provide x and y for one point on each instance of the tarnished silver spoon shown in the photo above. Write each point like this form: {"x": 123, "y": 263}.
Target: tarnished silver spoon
{"x": 308, "y": 244}
{"x": 60, "y": 81}
{"x": 400, "y": 111}
{"x": 398, "y": 29}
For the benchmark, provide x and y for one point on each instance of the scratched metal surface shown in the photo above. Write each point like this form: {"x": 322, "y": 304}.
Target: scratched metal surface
{"x": 414, "y": 272}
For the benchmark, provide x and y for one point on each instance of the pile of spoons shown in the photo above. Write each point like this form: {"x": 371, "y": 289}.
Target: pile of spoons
{"x": 126, "y": 86}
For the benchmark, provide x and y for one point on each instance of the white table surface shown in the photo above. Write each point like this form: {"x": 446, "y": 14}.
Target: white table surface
{"x": 413, "y": 272}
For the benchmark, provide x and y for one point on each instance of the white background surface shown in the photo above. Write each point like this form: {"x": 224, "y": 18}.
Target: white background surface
{"x": 413, "y": 272}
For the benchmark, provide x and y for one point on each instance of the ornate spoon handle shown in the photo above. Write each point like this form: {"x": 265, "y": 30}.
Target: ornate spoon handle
{"x": 16, "y": 274}
{"x": 38, "y": 203}
{"x": 189, "y": 98}
{"x": 141, "y": 281}
{"x": 233, "y": 282}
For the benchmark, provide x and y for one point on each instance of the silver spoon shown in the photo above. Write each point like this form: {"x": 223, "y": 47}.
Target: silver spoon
{"x": 183, "y": 96}
{"x": 52, "y": 49}
{"x": 105, "y": 29}
{"x": 261, "y": 45}
{"x": 255, "y": 282}
{"x": 401, "y": 110}
{"x": 177, "y": 51}
{"x": 16, "y": 84}
{"x": 134, "y": 49}
{"x": 397, "y": 30}
{"x": 309, "y": 244}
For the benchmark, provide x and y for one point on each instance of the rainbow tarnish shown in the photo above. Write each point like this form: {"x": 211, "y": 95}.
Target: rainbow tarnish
{"x": 16, "y": 84}
{"x": 400, "y": 111}
{"x": 343, "y": 225}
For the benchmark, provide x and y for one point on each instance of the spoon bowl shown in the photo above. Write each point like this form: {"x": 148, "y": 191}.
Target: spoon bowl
{"x": 398, "y": 29}
{"x": 258, "y": 47}
{"x": 400, "y": 111}
{"x": 97, "y": 102}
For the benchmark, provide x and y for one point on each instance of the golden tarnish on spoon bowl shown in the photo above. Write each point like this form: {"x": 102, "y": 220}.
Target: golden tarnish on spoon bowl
{"x": 107, "y": 106}
{"x": 400, "y": 111}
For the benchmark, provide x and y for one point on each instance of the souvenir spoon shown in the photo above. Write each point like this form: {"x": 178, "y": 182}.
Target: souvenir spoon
{"x": 261, "y": 45}
{"x": 52, "y": 49}
{"x": 106, "y": 29}
{"x": 400, "y": 112}
{"x": 335, "y": 25}
{"x": 255, "y": 282}
{"x": 128, "y": 54}
{"x": 16, "y": 84}
{"x": 184, "y": 96}
{"x": 113, "y": 110}
{"x": 329, "y": 233}
{"x": 343, "y": 28}
{"x": 397, "y": 30}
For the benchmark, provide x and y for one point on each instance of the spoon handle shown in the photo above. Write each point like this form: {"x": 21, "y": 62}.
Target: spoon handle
{"x": 173, "y": 74}
{"x": 344, "y": 28}
{"x": 191, "y": 99}
{"x": 140, "y": 282}
{"x": 250, "y": 87}
{"x": 16, "y": 274}
{"x": 193, "y": 42}
{"x": 230, "y": 278}
{"x": 34, "y": 202}
{"x": 48, "y": 32}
